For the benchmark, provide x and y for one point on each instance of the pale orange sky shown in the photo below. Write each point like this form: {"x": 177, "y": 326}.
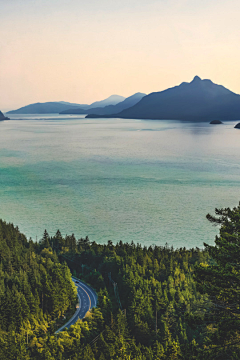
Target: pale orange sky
{"x": 78, "y": 51}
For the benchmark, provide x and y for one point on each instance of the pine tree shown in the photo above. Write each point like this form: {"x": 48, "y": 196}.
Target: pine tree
{"x": 221, "y": 281}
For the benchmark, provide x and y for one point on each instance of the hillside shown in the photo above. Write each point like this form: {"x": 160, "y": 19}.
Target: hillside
{"x": 152, "y": 283}
{"x": 199, "y": 100}
{"x": 35, "y": 291}
{"x": 149, "y": 304}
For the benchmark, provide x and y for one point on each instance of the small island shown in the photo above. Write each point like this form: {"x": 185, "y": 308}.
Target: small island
{"x": 215, "y": 122}
{"x": 237, "y": 126}
{"x": 2, "y": 117}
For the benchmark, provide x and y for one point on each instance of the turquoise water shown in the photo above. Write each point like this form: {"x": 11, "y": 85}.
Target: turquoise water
{"x": 150, "y": 182}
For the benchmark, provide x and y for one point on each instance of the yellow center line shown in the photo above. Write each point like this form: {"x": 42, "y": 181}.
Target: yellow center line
{"x": 87, "y": 295}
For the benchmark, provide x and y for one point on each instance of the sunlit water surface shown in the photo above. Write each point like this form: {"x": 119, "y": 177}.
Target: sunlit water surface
{"x": 150, "y": 182}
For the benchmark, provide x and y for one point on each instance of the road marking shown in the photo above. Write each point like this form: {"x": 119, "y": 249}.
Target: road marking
{"x": 87, "y": 295}
{"x": 93, "y": 294}
{"x": 81, "y": 309}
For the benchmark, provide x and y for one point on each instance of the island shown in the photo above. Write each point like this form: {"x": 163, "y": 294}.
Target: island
{"x": 2, "y": 117}
{"x": 198, "y": 100}
{"x": 215, "y": 122}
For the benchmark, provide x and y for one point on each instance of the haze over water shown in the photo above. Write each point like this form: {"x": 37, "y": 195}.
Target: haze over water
{"x": 150, "y": 182}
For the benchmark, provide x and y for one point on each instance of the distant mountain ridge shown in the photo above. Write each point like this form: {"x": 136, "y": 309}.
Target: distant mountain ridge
{"x": 71, "y": 104}
{"x": 114, "y": 109}
{"x": 56, "y": 107}
{"x": 110, "y": 101}
{"x": 109, "y": 109}
{"x": 43, "y": 108}
{"x": 199, "y": 100}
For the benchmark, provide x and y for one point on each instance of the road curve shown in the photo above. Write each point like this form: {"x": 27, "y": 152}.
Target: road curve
{"x": 87, "y": 300}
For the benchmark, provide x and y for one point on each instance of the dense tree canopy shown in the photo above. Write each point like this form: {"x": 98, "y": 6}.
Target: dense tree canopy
{"x": 35, "y": 289}
{"x": 153, "y": 302}
{"x": 221, "y": 281}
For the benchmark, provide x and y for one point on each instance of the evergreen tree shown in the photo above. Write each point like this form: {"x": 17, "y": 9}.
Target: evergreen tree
{"x": 221, "y": 280}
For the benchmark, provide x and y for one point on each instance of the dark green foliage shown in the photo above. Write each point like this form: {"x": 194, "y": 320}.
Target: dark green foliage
{"x": 178, "y": 304}
{"x": 221, "y": 281}
{"x": 157, "y": 289}
{"x": 35, "y": 289}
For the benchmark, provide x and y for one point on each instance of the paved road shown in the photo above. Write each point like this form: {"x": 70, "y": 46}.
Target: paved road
{"x": 87, "y": 300}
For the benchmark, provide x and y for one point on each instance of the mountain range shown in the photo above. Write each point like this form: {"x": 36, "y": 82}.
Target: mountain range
{"x": 199, "y": 100}
{"x": 59, "y": 106}
{"x": 44, "y": 108}
{"x": 111, "y": 100}
{"x": 109, "y": 109}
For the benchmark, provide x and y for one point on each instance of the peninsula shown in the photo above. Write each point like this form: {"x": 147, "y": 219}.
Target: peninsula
{"x": 2, "y": 117}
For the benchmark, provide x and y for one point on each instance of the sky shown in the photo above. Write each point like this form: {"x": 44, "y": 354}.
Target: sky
{"x": 83, "y": 51}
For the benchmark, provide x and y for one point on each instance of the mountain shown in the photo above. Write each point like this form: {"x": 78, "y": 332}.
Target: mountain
{"x": 114, "y": 109}
{"x": 111, "y": 100}
{"x": 72, "y": 104}
{"x": 72, "y": 111}
{"x": 44, "y": 108}
{"x": 2, "y": 117}
{"x": 199, "y": 100}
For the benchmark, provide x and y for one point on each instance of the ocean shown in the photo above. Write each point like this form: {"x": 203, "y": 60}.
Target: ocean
{"x": 150, "y": 182}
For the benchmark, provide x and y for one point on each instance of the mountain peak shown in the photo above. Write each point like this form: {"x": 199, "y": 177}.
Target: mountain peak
{"x": 196, "y": 78}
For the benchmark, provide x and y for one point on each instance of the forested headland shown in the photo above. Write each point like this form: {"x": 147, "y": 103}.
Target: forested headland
{"x": 153, "y": 302}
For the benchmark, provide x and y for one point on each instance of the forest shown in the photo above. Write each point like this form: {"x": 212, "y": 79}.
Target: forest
{"x": 153, "y": 302}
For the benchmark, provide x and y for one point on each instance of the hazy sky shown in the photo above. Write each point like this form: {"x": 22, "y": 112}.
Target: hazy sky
{"x": 86, "y": 50}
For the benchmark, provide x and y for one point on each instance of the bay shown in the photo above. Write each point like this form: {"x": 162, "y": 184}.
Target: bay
{"x": 145, "y": 181}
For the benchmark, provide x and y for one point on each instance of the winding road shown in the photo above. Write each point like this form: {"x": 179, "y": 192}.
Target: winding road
{"x": 87, "y": 300}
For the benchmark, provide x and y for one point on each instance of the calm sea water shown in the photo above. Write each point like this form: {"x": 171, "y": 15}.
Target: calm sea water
{"x": 150, "y": 182}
